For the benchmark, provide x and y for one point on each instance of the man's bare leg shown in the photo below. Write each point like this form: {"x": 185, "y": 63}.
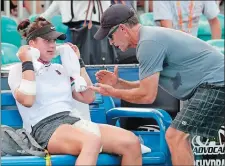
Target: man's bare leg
{"x": 180, "y": 147}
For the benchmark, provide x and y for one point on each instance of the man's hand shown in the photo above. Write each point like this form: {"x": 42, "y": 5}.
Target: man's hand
{"x": 103, "y": 89}
{"x": 75, "y": 49}
{"x": 107, "y": 77}
{"x": 23, "y": 54}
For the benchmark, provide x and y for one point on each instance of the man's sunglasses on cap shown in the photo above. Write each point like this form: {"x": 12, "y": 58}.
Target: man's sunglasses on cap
{"x": 113, "y": 30}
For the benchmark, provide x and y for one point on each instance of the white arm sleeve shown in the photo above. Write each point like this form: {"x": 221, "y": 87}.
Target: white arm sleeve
{"x": 15, "y": 77}
{"x": 52, "y": 10}
{"x": 211, "y": 9}
{"x": 162, "y": 10}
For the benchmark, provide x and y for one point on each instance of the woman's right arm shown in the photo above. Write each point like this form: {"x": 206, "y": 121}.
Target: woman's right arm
{"x": 21, "y": 80}
{"x": 52, "y": 10}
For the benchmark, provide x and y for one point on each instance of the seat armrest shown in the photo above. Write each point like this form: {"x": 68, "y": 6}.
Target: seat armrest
{"x": 162, "y": 118}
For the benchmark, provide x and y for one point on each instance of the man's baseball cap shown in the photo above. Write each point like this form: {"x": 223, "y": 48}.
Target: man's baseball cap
{"x": 114, "y": 15}
{"x": 47, "y": 32}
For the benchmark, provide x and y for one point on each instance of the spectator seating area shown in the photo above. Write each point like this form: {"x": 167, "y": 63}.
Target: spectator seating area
{"x": 9, "y": 51}
{"x": 11, "y": 39}
{"x": 10, "y": 34}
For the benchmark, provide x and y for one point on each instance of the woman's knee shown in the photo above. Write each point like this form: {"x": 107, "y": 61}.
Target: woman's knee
{"x": 131, "y": 144}
{"x": 78, "y": 141}
{"x": 92, "y": 144}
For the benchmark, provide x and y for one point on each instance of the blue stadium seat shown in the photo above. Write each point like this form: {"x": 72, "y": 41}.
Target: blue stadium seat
{"x": 8, "y": 53}
{"x": 9, "y": 32}
{"x": 147, "y": 19}
{"x": 55, "y": 20}
{"x": 57, "y": 160}
{"x": 155, "y": 140}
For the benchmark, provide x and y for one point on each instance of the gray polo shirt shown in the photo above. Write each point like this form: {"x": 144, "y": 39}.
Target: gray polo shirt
{"x": 184, "y": 61}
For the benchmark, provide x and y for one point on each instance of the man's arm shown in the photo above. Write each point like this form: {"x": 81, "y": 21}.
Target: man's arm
{"x": 111, "y": 78}
{"x": 123, "y": 84}
{"x": 52, "y": 10}
{"x": 215, "y": 28}
{"x": 211, "y": 11}
{"x": 144, "y": 94}
{"x": 162, "y": 13}
{"x": 166, "y": 23}
{"x": 28, "y": 6}
{"x": 150, "y": 65}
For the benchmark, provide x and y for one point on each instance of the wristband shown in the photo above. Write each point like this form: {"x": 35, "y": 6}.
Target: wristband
{"x": 27, "y": 65}
{"x": 81, "y": 63}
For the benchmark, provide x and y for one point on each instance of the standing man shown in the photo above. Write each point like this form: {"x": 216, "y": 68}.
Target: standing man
{"x": 185, "y": 15}
{"x": 186, "y": 67}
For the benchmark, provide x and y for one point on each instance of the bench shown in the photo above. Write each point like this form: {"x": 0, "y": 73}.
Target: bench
{"x": 155, "y": 140}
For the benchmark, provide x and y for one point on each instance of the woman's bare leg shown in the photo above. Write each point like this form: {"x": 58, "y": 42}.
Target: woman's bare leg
{"x": 69, "y": 140}
{"x": 87, "y": 145}
{"x": 120, "y": 141}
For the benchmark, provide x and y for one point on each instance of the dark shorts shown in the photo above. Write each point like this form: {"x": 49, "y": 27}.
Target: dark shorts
{"x": 203, "y": 114}
{"x": 44, "y": 129}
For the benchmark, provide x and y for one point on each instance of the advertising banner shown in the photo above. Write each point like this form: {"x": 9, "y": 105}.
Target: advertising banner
{"x": 209, "y": 152}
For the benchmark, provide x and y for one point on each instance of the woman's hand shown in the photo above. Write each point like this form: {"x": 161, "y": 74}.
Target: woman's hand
{"x": 23, "y": 54}
{"x": 103, "y": 89}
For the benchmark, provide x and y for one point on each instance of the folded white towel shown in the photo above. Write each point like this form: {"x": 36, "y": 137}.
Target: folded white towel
{"x": 73, "y": 68}
{"x": 80, "y": 84}
{"x": 71, "y": 64}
